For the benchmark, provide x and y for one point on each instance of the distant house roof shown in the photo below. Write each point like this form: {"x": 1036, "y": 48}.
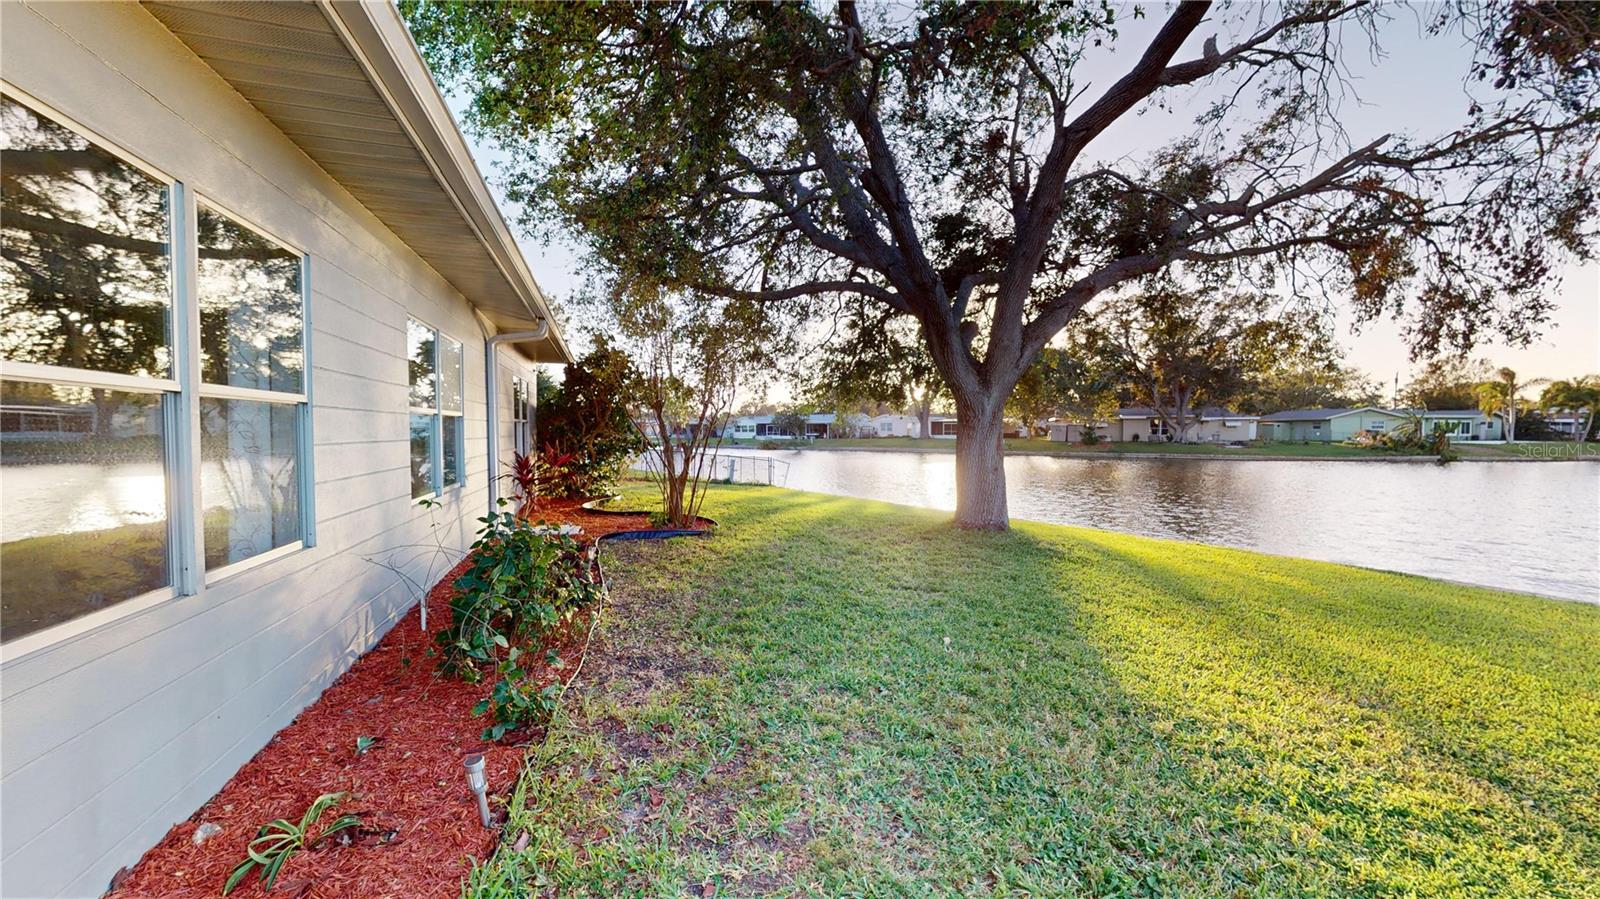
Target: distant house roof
{"x": 1207, "y": 412}
{"x": 815, "y": 418}
{"x": 1327, "y": 414}
{"x": 1321, "y": 414}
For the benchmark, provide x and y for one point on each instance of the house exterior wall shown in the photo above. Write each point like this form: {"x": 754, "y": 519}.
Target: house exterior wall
{"x": 892, "y": 425}
{"x": 1330, "y": 430}
{"x": 1480, "y": 426}
{"x": 1072, "y": 432}
{"x": 512, "y": 365}
{"x": 112, "y": 735}
{"x": 1224, "y": 430}
{"x": 1303, "y": 431}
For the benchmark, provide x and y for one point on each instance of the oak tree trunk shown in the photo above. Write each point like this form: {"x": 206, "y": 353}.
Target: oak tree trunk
{"x": 980, "y": 468}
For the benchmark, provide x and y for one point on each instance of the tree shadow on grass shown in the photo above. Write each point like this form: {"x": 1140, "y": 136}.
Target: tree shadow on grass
{"x": 843, "y": 697}
{"x": 1417, "y": 751}
{"x": 954, "y": 730}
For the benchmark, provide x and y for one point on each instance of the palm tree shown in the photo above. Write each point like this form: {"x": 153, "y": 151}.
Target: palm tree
{"x": 1579, "y": 393}
{"x": 1500, "y": 395}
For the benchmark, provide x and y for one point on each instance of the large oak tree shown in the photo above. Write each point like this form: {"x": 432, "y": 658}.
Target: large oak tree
{"x": 946, "y": 161}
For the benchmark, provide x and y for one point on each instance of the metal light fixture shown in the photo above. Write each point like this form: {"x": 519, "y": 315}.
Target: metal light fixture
{"x": 479, "y": 784}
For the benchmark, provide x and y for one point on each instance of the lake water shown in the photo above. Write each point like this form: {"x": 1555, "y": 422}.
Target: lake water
{"x": 1533, "y": 527}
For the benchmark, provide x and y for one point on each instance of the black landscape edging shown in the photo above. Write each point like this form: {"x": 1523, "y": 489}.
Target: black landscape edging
{"x": 653, "y": 534}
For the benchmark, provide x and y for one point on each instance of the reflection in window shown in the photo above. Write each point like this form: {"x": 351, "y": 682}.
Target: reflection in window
{"x": 249, "y": 478}
{"x": 449, "y": 374}
{"x": 85, "y": 281}
{"x": 422, "y": 432}
{"x": 84, "y": 522}
{"x": 251, "y": 317}
{"x": 520, "y": 406}
{"x": 450, "y": 449}
{"x": 420, "y": 360}
{"x": 435, "y": 363}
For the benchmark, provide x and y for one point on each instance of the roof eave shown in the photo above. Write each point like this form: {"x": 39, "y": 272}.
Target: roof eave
{"x": 383, "y": 47}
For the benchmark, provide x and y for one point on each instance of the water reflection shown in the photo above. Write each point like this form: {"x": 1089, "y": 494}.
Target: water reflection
{"x": 1518, "y": 526}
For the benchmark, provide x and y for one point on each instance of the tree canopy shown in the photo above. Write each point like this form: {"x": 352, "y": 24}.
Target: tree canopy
{"x": 945, "y": 162}
{"x": 1177, "y": 350}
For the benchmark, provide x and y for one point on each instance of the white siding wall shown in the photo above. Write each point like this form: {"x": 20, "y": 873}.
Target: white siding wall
{"x": 111, "y": 737}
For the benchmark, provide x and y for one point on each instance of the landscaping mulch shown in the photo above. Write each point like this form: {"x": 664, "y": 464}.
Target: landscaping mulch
{"x": 420, "y": 826}
{"x": 595, "y": 522}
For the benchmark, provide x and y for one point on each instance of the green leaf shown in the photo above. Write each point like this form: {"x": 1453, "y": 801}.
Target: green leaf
{"x": 270, "y": 875}
{"x": 240, "y": 872}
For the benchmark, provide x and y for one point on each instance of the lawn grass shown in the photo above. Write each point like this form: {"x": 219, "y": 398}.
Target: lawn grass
{"x": 837, "y": 697}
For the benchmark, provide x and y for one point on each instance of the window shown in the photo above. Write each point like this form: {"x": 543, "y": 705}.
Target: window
{"x": 1377, "y": 424}
{"x": 521, "y": 406}
{"x": 102, "y": 375}
{"x": 1158, "y": 428}
{"x": 437, "y": 438}
{"x": 252, "y": 376}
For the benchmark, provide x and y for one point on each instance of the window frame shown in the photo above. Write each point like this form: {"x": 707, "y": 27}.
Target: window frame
{"x": 203, "y": 390}
{"x": 521, "y": 406}
{"x": 439, "y": 413}
{"x": 180, "y": 392}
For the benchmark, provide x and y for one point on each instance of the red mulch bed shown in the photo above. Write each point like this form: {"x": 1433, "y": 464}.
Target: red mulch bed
{"x": 419, "y": 821}
{"x": 594, "y": 524}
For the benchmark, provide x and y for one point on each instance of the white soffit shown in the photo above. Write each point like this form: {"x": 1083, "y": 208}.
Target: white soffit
{"x": 344, "y": 81}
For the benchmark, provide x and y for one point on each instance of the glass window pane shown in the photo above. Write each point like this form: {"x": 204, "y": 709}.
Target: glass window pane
{"x": 419, "y": 353}
{"x": 85, "y": 280}
{"x": 249, "y": 478}
{"x": 450, "y": 374}
{"x": 423, "y": 430}
{"x": 84, "y": 522}
{"x": 252, "y": 318}
{"x": 451, "y": 451}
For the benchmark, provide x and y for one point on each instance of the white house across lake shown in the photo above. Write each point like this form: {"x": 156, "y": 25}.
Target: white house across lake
{"x": 256, "y": 301}
{"x": 1332, "y": 425}
{"x": 1211, "y": 424}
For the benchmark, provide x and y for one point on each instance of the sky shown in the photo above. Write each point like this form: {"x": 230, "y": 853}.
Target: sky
{"x": 1415, "y": 87}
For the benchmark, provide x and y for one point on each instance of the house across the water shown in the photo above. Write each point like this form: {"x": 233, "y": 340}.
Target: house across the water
{"x": 893, "y": 425}
{"x": 258, "y": 302}
{"x": 816, "y": 426}
{"x": 1334, "y": 425}
{"x": 1211, "y": 424}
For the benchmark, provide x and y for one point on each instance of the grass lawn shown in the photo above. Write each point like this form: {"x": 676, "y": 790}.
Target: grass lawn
{"x": 836, "y": 697}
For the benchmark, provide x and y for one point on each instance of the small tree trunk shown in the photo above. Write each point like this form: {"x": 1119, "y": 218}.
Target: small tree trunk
{"x": 925, "y": 417}
{"x": 1509, "y": 422}
{"x": 980, "y": 468}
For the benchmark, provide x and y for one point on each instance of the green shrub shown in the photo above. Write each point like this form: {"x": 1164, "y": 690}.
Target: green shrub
{"x": 520, "y": 584}
{"x": 587, "y": 437}
{"x": 517, "y": 699}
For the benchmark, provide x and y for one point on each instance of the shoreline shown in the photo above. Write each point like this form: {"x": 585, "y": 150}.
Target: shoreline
{"x": 1241, "y": 456}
